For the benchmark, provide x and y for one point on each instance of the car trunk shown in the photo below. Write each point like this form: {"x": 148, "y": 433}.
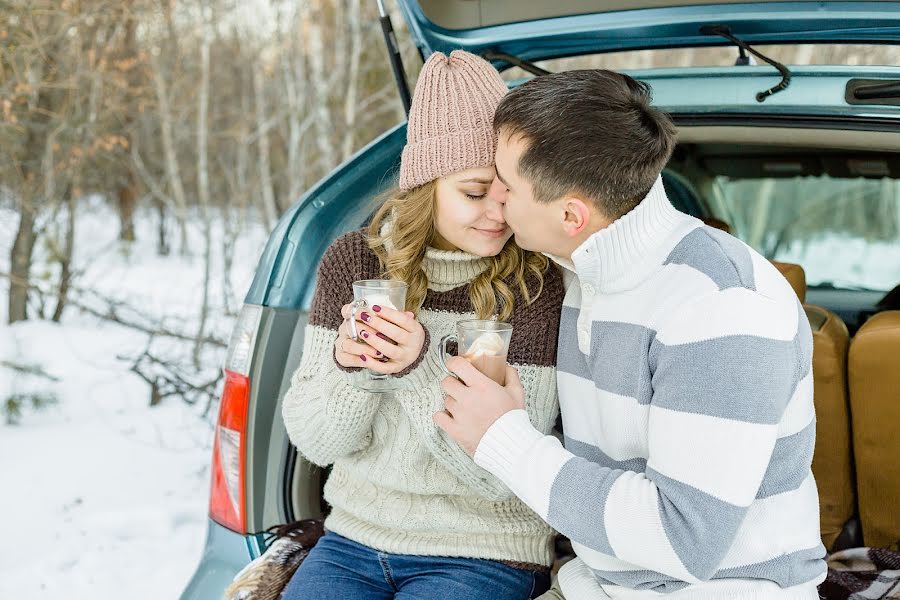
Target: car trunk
{"x": 293, "y": 490}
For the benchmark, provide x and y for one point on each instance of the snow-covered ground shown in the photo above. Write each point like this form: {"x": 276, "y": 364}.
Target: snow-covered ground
{"x": 103, "y": 496}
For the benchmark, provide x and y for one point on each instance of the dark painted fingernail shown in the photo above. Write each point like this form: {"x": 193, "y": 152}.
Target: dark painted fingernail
{"x": 365, "y": 334}
{"x": 384, "y": 359}
{"x": 363, "y": 357}
{"x": 378, "y": 353}
{"x": 365, "y": 317}
{"x": 376, "y": 308}
{"x": 381, "y": 335}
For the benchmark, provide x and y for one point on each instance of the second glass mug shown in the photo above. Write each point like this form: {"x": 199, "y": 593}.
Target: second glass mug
{"x": 368, "y": 293}
{"x": 484, "y": 343}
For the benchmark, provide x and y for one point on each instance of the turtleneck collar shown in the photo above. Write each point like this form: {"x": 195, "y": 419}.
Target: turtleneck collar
{"x": 446, "y": 269}
{"x": 623, "y": 254}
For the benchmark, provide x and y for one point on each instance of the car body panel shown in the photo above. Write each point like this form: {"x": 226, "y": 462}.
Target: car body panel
{"x": 224, "y": 555}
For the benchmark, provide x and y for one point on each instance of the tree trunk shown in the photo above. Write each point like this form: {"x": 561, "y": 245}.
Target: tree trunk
{"x": 162, "y": 240}
{"x": 127, "y": 202}
{"x": 350, "y": 97}
{"x": 20, "y": 263}
{"x": 203, "y": 183}
{"x": 65, "y": 276}
{"x": 270, "y": 209}
{"x": 171, "y": 157}
{"x": 324, "y": 127}
{"x": 128, "y": 191}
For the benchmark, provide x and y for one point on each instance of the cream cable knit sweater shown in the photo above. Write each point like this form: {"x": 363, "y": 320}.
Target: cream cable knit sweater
{"x": 398, "y": 483}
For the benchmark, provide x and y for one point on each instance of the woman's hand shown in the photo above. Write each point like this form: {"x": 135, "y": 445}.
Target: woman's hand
{"x": 389, "y": 340}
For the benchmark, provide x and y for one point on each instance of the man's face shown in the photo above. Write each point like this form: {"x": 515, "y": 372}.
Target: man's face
{"x": 537, "y": 226}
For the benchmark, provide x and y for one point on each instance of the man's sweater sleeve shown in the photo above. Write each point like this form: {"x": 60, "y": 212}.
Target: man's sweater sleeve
{"x": 713, "y": 419}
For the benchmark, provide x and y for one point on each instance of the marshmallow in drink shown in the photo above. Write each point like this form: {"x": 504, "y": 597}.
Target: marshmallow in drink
{"x": 488, "y": 355}
{"x": 488, "y": 343}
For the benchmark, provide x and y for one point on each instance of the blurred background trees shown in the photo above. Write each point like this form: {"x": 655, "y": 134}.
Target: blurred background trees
{"x": 215, "y": 110}
{"x": 212, "y": 112}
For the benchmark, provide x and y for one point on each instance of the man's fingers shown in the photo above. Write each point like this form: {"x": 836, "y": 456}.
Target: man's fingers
{"x": 464, "y": 369}
{"x": 512, "y": 378}
{"x": 454, "y": 387}
{"x": 451, "y": 404}
{"x": 443, "y": 420}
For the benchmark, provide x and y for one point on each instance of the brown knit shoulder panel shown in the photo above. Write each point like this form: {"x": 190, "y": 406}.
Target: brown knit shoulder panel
{"x": 536, "y": 325}
{"x": 346, "y": 260}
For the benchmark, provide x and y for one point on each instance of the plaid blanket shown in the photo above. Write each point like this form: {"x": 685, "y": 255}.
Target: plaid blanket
{"x": 862, "y": 574}
{"x": 267, "y": 576}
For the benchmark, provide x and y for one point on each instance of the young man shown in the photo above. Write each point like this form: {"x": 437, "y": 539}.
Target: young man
{"x": 684, "y": 367}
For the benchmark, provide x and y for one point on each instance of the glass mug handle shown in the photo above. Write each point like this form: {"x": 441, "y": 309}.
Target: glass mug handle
{"x": 354, "y": 307}
{"x": 442, "y": 352}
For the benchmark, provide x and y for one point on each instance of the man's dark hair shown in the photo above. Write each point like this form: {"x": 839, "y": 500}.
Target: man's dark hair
{"x": 591, "y": 132}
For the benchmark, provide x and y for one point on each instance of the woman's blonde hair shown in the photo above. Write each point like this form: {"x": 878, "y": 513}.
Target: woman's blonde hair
{"x": 402, "y": 250}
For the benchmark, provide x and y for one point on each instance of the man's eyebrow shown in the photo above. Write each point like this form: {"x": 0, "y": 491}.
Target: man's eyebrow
{"x": 500, "y": 177}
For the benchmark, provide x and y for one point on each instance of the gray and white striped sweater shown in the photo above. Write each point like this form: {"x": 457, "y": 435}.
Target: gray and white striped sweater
{"x": 685, "y": 385}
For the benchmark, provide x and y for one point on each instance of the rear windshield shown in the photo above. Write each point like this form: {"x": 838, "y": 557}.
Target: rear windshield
{"x": 844, "y": 232}
{"x": 795, "y": 54}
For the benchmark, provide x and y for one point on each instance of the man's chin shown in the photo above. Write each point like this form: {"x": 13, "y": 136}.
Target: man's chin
{"x": 523, "y": 243}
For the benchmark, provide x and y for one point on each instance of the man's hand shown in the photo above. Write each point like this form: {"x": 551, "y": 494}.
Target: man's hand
{"x": 473, "y": 404}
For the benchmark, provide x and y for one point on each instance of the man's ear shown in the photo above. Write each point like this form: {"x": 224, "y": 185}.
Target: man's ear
{"x": 576, "y": 215}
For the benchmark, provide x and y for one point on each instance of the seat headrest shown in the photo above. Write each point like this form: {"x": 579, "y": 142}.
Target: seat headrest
{"x": 795, "y": 276}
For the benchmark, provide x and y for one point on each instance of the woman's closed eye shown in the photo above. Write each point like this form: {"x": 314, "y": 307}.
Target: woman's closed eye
{"x": 476, "y": 192}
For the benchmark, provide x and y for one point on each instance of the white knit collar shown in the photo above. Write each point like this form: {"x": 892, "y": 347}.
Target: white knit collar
{"x": 623, "y": 254}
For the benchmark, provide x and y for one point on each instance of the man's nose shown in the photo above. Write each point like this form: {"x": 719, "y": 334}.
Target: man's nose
{"x": 494, "y": 210}
{"x": 497, "y": 191}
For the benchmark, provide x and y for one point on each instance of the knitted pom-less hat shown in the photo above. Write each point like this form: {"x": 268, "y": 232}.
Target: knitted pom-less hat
{"x": 451, "y": 120}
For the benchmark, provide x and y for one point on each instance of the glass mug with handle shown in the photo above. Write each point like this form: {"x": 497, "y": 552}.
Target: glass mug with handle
{"x": 483, "y": 343}
{"x": 368, "y": 293}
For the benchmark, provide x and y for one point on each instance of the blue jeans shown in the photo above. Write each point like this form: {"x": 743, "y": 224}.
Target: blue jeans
{"x": 342, "y": 569}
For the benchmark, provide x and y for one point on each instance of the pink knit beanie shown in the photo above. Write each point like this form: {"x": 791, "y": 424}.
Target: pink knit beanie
{"x": 451, "y": 120}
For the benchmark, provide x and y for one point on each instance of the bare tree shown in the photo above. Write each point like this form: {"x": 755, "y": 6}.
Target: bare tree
{"x": 270, "y": 209}
{"x": 203, "y": 179}
{"x": 173, "y": 174}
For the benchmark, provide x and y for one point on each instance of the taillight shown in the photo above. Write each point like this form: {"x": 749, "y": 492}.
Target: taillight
{"x": 227, "y": 498}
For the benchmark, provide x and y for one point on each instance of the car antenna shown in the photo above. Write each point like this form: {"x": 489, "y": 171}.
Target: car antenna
{"x": 725, "y": 32}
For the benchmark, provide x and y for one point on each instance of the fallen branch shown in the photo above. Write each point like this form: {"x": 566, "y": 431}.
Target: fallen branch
{"x": 120, "y": 313}
{"x": 34, "y": 370}
{"x": 166, "y": 380}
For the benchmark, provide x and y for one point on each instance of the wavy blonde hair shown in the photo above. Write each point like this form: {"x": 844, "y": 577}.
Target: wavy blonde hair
{"x": 402, "y": 250}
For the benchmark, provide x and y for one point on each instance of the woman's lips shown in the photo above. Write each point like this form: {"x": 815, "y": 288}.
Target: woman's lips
{"x": 492, "y": 233}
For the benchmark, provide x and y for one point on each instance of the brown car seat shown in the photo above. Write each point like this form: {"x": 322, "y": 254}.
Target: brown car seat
{"x": 874, "y": 375}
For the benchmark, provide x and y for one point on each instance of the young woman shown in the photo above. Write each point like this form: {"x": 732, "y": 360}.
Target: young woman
{"x": 411, "y": 515}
